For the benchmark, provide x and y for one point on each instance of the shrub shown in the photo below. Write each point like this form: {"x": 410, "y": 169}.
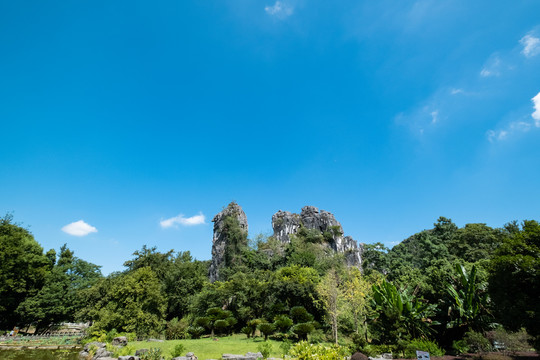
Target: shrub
{"x": 477, "y": 342}
{"x": 176, "y": 329}
{"x": 122, "y": 351}
{"x": 178, "y": 350}
{"x": 304, "y": 351}
{"x": 422, "y": 345}
{"x": 283, "y": 323}
{"x": 460, "y": 347}
{"x": 221, "y": 325}
{"x": 265, "y": 349}
{"x": 195, "y": 331}
{"x": 152, "y": 354}
{"x": 512, "y": 342}
{"x": 302, "y": 330}
{"x": 267, "y": 329}
{"x": 247, "y": 331}
{"x": 300, "y": 314}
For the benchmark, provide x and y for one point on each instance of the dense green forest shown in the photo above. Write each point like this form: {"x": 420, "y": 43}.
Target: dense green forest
{"x": 445, "y": 285}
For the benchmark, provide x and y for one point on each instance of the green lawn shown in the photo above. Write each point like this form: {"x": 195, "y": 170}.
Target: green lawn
{"x": 207, "y": 348}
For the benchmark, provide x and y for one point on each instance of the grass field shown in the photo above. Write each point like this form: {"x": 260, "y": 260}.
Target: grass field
{"x": 207, "y": 348}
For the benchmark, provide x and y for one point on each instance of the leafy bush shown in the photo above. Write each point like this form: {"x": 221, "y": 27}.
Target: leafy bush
{"x": 221, "y": 325}
{"x": 477, "y": 342}
{"x": 302, "y": 330}
{"x": 512, "y": 342}
{"x": 267, "y": 329}
{"x": 423, "y": 345}
{"x": 265, "y": 349}
{"x": 176, "y": 329}
{"x": 283, "y": 323}
{"x": 122, "y": 351}
{"x": 178, "y": 350}
{"x": 195, "y": 331}
{"x": 304, "y": 351}
{"x": 377, "y": 350}
{"x": 460, "y": 347}
{"x": 152, "y": 354}
{"x": 247, "y": 331}
{"x": 285, "y": 347}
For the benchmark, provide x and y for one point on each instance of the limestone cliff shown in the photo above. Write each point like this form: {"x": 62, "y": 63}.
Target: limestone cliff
{"x": 220, "y": 239}
{"x": 286, "y": 223}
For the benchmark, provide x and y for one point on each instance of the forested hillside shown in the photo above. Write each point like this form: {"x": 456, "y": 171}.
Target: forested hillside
{"x": 442, "y": 285}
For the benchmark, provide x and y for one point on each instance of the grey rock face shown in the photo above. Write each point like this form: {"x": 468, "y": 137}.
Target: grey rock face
{"x": 285, "y": 224}
{"x": 120, "y": 341}
{"x": 129, "y": 357}
{"x": 219, "y": 240}
{"x": 248, "y": 356}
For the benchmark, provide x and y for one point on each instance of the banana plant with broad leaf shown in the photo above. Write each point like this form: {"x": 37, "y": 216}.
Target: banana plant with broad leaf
{"x": 468, "y": 308}
{"x": 401, "y": 315}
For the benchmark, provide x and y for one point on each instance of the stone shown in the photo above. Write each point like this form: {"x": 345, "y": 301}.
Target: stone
{"x": 93, "y": 344}
{"x": 102, "y": 353}
{"x": 119, "y": 341}
{"x": 359, "y": 356}
{"x": 141, "y": 352}
{"x": 248, "y": 356}
{"x": 220, "y": 239}
{"x": 129, "y": 357}
{"x": 286, "y": 224}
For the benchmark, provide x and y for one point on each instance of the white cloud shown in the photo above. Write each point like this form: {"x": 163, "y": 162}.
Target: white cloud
{"x": 456, "y": 91}
{"x": 536, "y": 114}
{"x": 434, "y": 116}
{"x": 79, "y": 228}
{"x": 531, "y": 45}
{"x": 181, "y": 220}
{"x": 280, "y": 10}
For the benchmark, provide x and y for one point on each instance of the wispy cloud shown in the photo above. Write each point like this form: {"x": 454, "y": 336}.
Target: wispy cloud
{"x": 79, "y": 228}
{"x": 280, "y": 10}
{"x": 531, "y": 45}
{"x": 492, "y": 67}
{"x": 518, "y": 126}
{"x": 536, "y": 114}
{"x": 182, "y": 220}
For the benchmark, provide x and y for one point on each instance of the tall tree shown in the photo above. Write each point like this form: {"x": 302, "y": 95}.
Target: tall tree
{"x": 514, "y": 283}
{"x": 332, "y": 299}
{"x": 23, "y": 268}
{"x": 59, "y": 298}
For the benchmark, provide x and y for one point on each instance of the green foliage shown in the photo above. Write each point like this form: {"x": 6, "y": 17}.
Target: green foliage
{"x": 469, "y": 302}
{"x": 299, "y": 314}
{"x": 195, "y": 332}
{"x": 152, "y": 354}
{"x": 422, "y": 345}
{"x": 265, "y": 349}
{"x": 283, "y": 323}
{"x": 179, "y": 350}
{"x": 122, "y": 351}
{"x": 477, "y": 342}
{"x": 302, "y": 330}
{"x": 23, "y": 269}
{"x": 266, "y": 329}
{"x": 247, "y": 330}
{"x": 304, "y": 351}
{"x": 131, "y": 302}
{"x": 399, "y": 314}
{"x": 509, "y": 341}
{"x": 176, "y": 329}
{"x": 460, "y": 347}
{"x": 514, "y": 284}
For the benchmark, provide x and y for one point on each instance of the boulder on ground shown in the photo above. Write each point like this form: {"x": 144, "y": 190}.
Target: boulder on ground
{"x": 120, "y": 341}
{"x": 141, "y": 352}
{"x": 359, "y": 356}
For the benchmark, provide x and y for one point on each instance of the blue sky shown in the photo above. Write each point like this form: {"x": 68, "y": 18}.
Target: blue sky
{"x": 138, "y": 121}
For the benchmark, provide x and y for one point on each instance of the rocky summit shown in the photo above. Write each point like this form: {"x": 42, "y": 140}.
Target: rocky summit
{"x": 286, "y": 224}
{"x": 219, "y": 241}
